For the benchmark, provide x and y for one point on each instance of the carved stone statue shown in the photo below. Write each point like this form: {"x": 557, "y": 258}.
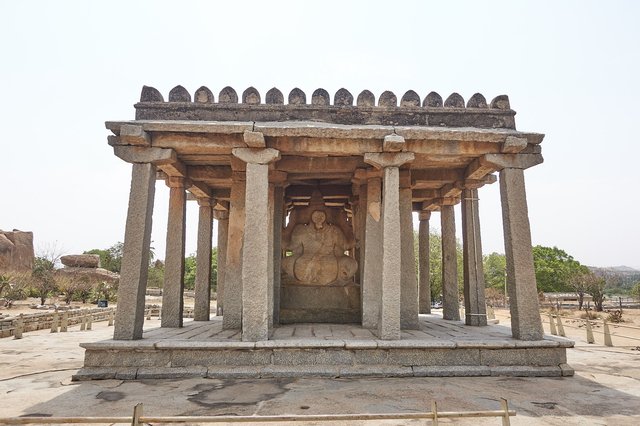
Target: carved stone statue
{"x": 318, "y": 250}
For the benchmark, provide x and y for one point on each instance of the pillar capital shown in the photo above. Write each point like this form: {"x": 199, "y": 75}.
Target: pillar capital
{"x": 254, "y": 139}
{"x": 256, "y": 155}
{"x": 221, "y": 214}
{"x": 381, "y": 160}
{"x": 177, "y": 182}
{"x": 393, "y": 143}
{"x": 205, "y": 202}
{"x": 425, "y": 215}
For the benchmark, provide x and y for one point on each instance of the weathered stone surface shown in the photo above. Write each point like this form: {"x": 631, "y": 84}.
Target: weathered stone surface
{"x": 203, "y": 96}
{"x": 318, "y": 251}
{"x": 150, "y": 94}
{"x": 343, "y": 98}
{"x": 223, "y": 237}
{"x": 297, "y": 97}
{"x": 410, "y": 99}
{"x": 432, "y": 100}
{"x": 409, "y": 284}
{"x": 424, "y": 286}
{"x": 232, "y": 318}
{"x": 81, "y": 260}
{"x": 387, "y": 99}
{"x": 251, "y": 96}
{"x": 474, "y": 301}
{"x": 454, "y": 101}
{"x": 274, "y": 97}
{"x": 366, "y": 99}
{"x": 179, "y": 94}
{"x": 91, "y": 274}
{"x": 254, "y": 139}
{"x": 371, "y": 283}
{"x": 173, "y": 290}
{"x": 477, "y": 101}
{"x": 521, "y": 279}
{"x": 389, "y": 324}
{"x": 393, "y": 143}
{"x": 135, "y": 259}
{"x": 320, "y": 97}
{"x": 450, "y": 306}
{"x": 202, "y": 302}
{"x": 228, "y": 96}
{"x": 501, "y": 102}
{"x": 16, "y": 250}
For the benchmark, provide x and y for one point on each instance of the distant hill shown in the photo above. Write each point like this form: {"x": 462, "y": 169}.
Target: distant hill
{"x": 627, "y": 276}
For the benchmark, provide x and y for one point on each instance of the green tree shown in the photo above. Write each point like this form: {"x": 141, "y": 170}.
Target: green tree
{"x": 495, "y": 269}
{"x": 43, "y": 278}
{"x": 190, "y": 270}
{"x": 554, "y": 269}
{"x": 597, "y": 292}
{"x": 635, "y": 290}
{"x": 581, "y": 282}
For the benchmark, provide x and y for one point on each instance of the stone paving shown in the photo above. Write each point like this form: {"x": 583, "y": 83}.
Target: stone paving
{"x": 35, "y": 378}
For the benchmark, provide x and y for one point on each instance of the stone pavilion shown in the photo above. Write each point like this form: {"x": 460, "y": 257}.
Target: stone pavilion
{"x": 314, "y": 198}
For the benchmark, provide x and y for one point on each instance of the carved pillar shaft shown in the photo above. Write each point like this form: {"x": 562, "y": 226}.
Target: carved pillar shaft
{"x": 278, "y": 224}
{"x": 223, "y": 235}
{"x": 202, "y": 304}
{"x": 409, "y": 283}
{"x": 232, "y": 303}
{"x": 172, "y": 292}
{"x": 423, "y": 263}
{"x": 372, "y": 273}
{"x": 389, "y": 323}
{"x": 521, "y": 279}
{"x": 450, "y": 305}
{"x": 135, "y": 260}
{"x": 475, "y": 308}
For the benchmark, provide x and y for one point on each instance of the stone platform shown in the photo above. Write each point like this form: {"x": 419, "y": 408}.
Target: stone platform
{"x": 437, "y": 348}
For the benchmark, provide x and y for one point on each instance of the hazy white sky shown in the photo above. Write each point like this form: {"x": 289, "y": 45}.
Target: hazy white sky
{"x": 571, "y": 70}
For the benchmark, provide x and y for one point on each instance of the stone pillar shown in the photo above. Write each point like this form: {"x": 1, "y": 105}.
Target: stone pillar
{"x": 135, "y": 260}
{"x": 278, "y": 224}
{"x": 173, "y": 289}
{"x": 222, "y": 216}
{"x": 474, "y": 304}
{"x": 450, "y": 306}
{"x": 270, "y": 253}
{"x": 389, "y": 322}
{"x": 423, "y": 263}
{"x": 409, "y": 282}
{"x": 256, "y": 254}
{"x": 202, "y": 306}
{"x": 372, "y": 267}
{"x": 232, "y": 302}
{"x": 521, "y": 279}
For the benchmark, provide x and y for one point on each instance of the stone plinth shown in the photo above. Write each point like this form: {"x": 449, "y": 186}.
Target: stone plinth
{"x": 304, "y": 303}
{"x": 439, "y": 348}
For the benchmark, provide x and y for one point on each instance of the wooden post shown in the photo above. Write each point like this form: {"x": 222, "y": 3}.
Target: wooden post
{"x": 552, "y": 325}
{"x": 590, "y": 338}
{"x": 607, "y": 334}
{"x": 54, "y": 323}
{"x": 505, "y": 416}
{"x": 560, "y": 326}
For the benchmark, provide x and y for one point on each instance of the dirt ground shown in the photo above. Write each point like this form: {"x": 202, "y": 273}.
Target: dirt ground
{"x": 35, "y": 379}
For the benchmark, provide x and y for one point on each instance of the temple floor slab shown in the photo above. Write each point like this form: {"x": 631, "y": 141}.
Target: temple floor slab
{"x": 436, "y": 348}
